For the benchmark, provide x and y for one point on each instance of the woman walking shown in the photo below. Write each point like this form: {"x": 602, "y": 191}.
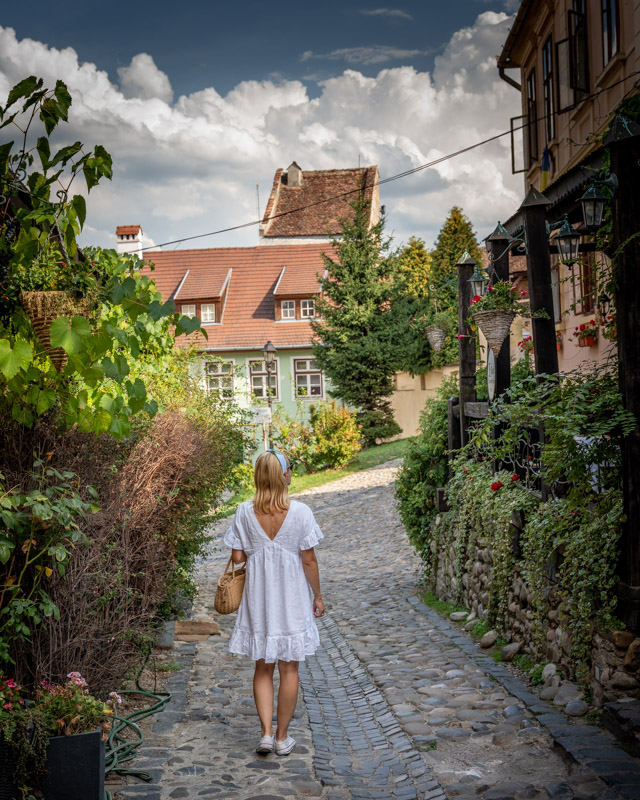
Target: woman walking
{"x": 276, "y": 537}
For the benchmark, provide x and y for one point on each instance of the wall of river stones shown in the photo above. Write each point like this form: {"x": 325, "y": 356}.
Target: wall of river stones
{"x": 615, "y": 667}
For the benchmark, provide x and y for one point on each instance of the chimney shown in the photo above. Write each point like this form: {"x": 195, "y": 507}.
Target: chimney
{"x": 129, "y": 239}
{"x": 294, "y": 175}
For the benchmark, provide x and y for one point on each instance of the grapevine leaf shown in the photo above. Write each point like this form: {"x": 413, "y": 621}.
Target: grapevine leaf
{"x": 13, "y": 359}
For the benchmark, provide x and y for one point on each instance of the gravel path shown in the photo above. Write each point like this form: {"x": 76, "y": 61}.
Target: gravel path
{"x": 395, "y": 704}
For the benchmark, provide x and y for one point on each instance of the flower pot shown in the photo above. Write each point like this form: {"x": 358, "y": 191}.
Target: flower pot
{"x": 494, "y": 324}
{"x": 436, "y": 335}
{"x": 587, "y": 341}
{"x": 165, "y": 634}
{"x": 75, "y": 768}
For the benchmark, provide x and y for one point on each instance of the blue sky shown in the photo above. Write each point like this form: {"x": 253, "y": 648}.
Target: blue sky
{"x": 200, "y": 102}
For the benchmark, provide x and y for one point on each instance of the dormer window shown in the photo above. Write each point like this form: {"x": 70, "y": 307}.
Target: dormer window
{"x": 189, "y": 310}
{"x": 307, "y": 309}
{"x": 208, "y": 312}
{"x": 288, "y": 308}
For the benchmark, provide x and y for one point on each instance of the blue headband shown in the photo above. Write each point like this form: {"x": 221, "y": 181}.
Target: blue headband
{"x": 281, "y": 459}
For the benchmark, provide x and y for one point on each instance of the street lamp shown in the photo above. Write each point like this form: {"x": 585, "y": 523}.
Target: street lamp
{"x": 269, "y": 354}
{"x": 593, "y": 201}
{"x": 568, "y": 241}
{"x": 478, "y": 283}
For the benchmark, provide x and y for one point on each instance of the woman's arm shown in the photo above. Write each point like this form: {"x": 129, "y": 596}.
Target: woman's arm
{"x": 312, "y": 573}
{"x": 238, "y": 556}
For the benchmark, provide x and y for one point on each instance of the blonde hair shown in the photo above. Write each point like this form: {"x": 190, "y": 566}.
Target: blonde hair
{"x": 271, "y": 485}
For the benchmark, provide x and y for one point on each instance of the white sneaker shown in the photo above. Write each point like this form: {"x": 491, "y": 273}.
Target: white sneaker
{"x": 285, "y": 747}
{"x": 266, "y": 745}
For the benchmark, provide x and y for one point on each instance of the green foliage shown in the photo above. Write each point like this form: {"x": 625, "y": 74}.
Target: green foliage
{"x": 413, "y": 269}
{"x": 358, "y": 345}
{"x": 329, "y": 441}
{"x": 572, "y": 536}
{"x": 424, "y": 468}
{"x": 440, "y": 606}
{"x": 108, "y": 314}
{"x": 502, "y": 296}
{"x": 39, "y": 532}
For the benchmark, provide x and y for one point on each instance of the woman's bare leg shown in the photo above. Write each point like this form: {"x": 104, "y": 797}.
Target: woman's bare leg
{"x": 287, "y": 697}
{"x": 263, "y": 695}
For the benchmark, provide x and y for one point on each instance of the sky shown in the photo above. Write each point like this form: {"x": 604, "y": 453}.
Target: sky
{"x": 200, "y": 102}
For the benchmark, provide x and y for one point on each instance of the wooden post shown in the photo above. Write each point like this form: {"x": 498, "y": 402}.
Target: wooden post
{"x": 498, "y": 250}
{"x": 625, "y": 160}
{"x": 467, "y": 367}
{"x": 539, "y": 278}
{"x": 453, "y": 428}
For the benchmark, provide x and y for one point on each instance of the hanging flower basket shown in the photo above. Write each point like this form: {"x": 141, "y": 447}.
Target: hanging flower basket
{"x": 43, "y": 308}
{"x": 494, "y": 324}
{"x": 436, "y": 334}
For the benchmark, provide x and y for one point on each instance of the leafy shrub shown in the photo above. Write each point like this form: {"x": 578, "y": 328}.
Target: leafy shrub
{"x": 425, "y": 467}
{"x": 330, "y": 439}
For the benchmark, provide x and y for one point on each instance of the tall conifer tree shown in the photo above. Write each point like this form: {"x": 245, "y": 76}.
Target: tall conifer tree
{"x": 357, "y": 344}
{"x": 456, "y": 236}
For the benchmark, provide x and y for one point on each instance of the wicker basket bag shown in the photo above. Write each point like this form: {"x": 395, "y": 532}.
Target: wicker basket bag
{"x": 494, "y": 324}
{"x": 436, "y": 335}
{"x": 230, "y": 587}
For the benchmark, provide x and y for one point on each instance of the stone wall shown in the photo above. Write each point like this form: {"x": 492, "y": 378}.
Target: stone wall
{"x": 615, "y": 668}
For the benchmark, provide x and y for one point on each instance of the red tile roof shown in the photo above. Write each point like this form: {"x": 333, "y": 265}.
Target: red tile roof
{"x": 296, "y": 282}
{"x": 323, "y": 199}
{"x": 124, "y": 230}
{"x": 248, "y": 319}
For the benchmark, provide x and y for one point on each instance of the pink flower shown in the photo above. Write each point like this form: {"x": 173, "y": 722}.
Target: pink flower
{"x": 460, "y": 336}
{"x": 114, "y": 698}
{"x": 523, "y": 293}
{"x": 7, "y": 705}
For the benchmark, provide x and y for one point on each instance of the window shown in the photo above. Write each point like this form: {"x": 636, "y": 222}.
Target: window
{"x": 219, "y": 378}
{"x": 547, "y": 89}
{"x": 579, "y": 48}
{"x": 307, "y": 378}
{"x": 584, "y": 284}
{"x": 208, "y": 312}
{"x": 307, "y": 309}
{"x": 610, "y": 30}
{"x": 189, "y": 311}
{"x": 259, "y": 378}
{"x": 288, "y": 309}
{"x": 532, "y": 119}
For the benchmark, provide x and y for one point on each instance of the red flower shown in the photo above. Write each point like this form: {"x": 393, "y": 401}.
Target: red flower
{"x": 495, "y": 486}
{"x": 582, "y": 327}
{"x": 490, "y": 288}
{"x": 523, "y": 293}
{"x": 476, "y": 299}
{"x": 515, "y": 477}
{"x": 460, "y": 336}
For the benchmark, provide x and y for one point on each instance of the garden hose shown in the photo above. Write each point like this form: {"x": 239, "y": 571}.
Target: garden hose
{"x": 120, "y": 750}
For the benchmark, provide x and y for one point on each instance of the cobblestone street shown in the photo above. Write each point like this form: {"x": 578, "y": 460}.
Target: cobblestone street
{"x": 396, "y": 703}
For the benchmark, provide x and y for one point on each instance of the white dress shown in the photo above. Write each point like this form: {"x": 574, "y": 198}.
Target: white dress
{"x": 275, "y": 619}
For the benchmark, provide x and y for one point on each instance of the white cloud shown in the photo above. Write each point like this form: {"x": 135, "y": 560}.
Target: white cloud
{"x": 143, "y": 79}
{"x": 374, "y": 54}
{"x": 386, "y": 12}
{"x": 192, "y": 167}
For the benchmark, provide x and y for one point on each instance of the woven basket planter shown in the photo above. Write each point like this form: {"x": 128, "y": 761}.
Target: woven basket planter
{"x": 494, "y": 324}
{"x": 436, "y": 335}
{"x": 43, "y": 308}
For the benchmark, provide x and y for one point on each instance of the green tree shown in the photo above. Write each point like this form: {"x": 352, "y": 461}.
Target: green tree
{"x": 357, "y": 344}
{"x": 456, "y": 236}
{"x": 414, "y": 269}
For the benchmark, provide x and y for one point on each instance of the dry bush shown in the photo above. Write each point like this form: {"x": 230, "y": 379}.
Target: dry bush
{"x": 152, "y": 490}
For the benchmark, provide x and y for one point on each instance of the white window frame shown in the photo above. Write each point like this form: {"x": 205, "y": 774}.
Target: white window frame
{"x": 205, "y": 315}
{"x": 188, "y": 310}
{"x": 307, "y": 309}
{"x": 214, "y": 374}
{"x": 288, "y": 309}
{"x": 307, "y": 372}
{"x": 262, "y": 374}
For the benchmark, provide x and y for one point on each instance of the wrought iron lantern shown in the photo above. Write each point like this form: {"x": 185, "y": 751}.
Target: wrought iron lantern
{"x": 478, "y": 282}
{"x": 269, "y": 353}
{"x": 568, "y": 242}
{"x": 593, "y": 201}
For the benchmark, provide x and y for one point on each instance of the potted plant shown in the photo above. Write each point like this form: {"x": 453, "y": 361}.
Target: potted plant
{"x": 559, "y": 341}
{"x": 494, "y": 312}
{"x": 53, "y": 742}
{"x": 587, "y": 334}
{"x": 434, "y": 326}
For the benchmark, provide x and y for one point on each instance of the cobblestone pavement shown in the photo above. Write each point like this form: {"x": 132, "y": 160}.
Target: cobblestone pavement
{"x": 398, "y": 704}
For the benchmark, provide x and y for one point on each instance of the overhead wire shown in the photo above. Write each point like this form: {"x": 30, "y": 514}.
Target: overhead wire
{"x": 390, "y": 179}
